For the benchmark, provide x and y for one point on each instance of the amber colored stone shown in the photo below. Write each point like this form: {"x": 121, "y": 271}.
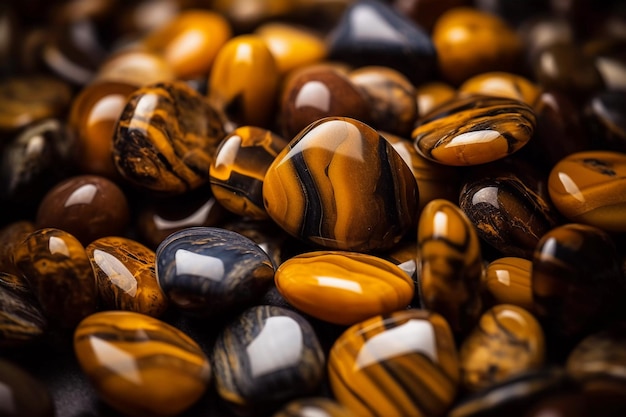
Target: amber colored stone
{"x": 244, "y": 81}
{"x": 292, "y": 46}
{"x": 403, "y": 364}
{"x": 474, "y": 130}
{"x": 343, "y": 287}
{"x": 313, "y": 93}
{"x": 11, "y": 236}
{"x": 60, "y": 275}
{"x": 140, "y": 365}
{"x": 502, "y": 84}
{"x": 431, "y": 95}
{"x": 589, "y": 187}
{"x": 125, "y": 276}
{"x": 403, "y": 255}
{"x": 22, "y": 394}
{"x": 470, "y": 42}
{"x": 509, "y": 281}
{"x": 313, "y": 406}
{"x": 190, "y": 42}
{"x": 136, "y": 67}
{"x": 22, "y": 321}
{"x": 449, "y": 265}
{"x": 391, "y": 96}
{"x": 93, "y": 117}
{"x": 265, "y": 357}
{"x": 506, "y": 341}
{"x": 241, "y": 161}
{"x": 86, "y": 206}
{"x": 27, "y": 99}
{"x": 166, "y": 139}
{"x": 309, "y": 190}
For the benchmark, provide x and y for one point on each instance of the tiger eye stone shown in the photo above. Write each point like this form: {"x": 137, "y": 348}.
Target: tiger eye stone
{"x": 207, "y": 270}
{"x": 292, "y": 46}
{"x": 244, "y": 81}
{"x": 502, "y": 84}
{"x": 140, "y": 365}
{"x": 11, "y": 236}
{"x": 59, "y": 273}
{"x": 21, "y": 319}
{"x": 474, "y": 130}
{"x": 510, "y": 210}
{"x": 266, "y": 356}
{"x": 125, "y": 276}
{"x": 135, "y": 67}
{"x": 314, "y": 93}
{"x": 86, "y": 206}
{"x": 506, "y": 341}
{"x": 22, "y": 394}
{"x": 371, "y": 32}
{"x": 449, "y": 265}
{"x": 27, "y": 99}
{"x": 237, "y": 172}
{"x": 93, "y": 117}
{"x": 341, "y": 185}
{"x": 343, "y": 287}
{"x": 166, "y": 139}
{"x": 509, "y": 281}
{"x": 190, "y": 42}
{"x": 576, "y": 281}
{"x": 391, "y": 96}
{"x": 396, "y": 365}
{"x": 589, "y": 187}
{"x": 248, "y": 14}
{"x": 605, "y": 114}
{"x": 313, "y": 406}
{"x": 470, "y": 42}
{"x": 432, "y": 94}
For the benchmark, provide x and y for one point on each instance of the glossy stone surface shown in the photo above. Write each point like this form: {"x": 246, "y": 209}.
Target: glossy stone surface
{"x": 266, "y": 234}
{"x": 576, "y": 281}
{"x": 449, "y": 265}
{"x": 190, "y": 41}
{"x": 432, "y": 94}
{"x": 391, "y": 96}
{"x": 59, "y": 273}
{"x": 474, "y": 130}
{"x": 211, "y": 271}
{"x": 22, "y": 394}
{"x": 125, "y": 276}
{"x": 11, "y": 236}
{"x": 292, "y": 46}
{"x": 343, "y": 287}
{"x": 265, "y": 357}
{"x": 589, "y": 187}
{"x": 605, "y": 113}
{"x": 21, "y": 319}
{"x": 247, "y": 14}
{"x": 313, "y": 93}
{"x": 309, "y": 190}
{"x": 140, "y": 365}
{"x": 396, "y": 365}
{"x": 470, "y": 42}
{"x": 93, "y": 116}
{"x": 237, "y": 172}
{"x": 511, "y": 210}
{"x": 502, "y": 84}
{"x": 509, "y": 281}
{"x": 27, "y": 99}
{"x": 371, "y": 32}
{"x": 244, "y": 81}
{"x": 313, "y": 406}
{"x": 166, "y": 139}
{"x": 86, "y": 206}
{"x": 506, "y": 341}
{"x": 135, "y": 67}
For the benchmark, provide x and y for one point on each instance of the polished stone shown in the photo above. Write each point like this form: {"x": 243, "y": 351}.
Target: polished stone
{"x": 22, "y": 321}
{"x": 508, "y": 280}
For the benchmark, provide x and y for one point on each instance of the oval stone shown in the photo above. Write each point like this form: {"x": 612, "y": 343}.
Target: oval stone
{"x": 343, "y": 287}
{"x": 449, "y": 265}
{"x": 473, "y": 130}
{"x": 21, "y": 318}
{"x": 590, "y": 187}
{"x": 506, "y": 341}
{"x": 403, "y": 364}
{"x": 207, "y": 270}
{"x": 508, "y": 281}
{"x": 340, "y": 184}
{"x": 140, "y": 365}
{"x": 22, "y": 394}
{"x": 125, "y": 276}
{"x": 313, "y": 407}
{"x": 265, "y": 357}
